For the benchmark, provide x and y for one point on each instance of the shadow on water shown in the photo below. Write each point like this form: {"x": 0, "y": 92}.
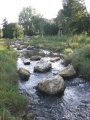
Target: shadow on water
{"x": 74, "y": 104}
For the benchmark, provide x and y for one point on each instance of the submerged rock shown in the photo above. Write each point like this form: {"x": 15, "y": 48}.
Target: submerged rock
{"x": 42, "y": 66}
{"x": 30, "y": 47}
{"x": 26, "y": 62}
{"x": 23, "y": 74}
{"x": 52, "y": 86}
{"x": 19, "y": 47}
{"x": 67, "y": 72}
{"x": 36, "y": 57}
{"x": 40, "y": 118}
{"x": 54, "y": 59}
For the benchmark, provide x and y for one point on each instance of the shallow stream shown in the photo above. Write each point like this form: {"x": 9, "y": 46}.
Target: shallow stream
{"x": 73, "y": 105}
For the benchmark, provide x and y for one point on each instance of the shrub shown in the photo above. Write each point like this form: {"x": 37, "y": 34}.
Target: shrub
{"x": 74, "y": 45}
{"x": 68, "y": 51}
{"x": 81, "y": 61}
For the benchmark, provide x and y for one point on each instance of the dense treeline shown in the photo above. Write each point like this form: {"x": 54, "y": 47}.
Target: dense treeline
{"x": 72, "y": 19}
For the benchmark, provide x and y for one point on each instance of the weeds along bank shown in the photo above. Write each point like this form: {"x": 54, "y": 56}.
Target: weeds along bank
{"x": 12, "y": 103}
{"x": 60, "y": 43}
{"x": 80, "y": 59}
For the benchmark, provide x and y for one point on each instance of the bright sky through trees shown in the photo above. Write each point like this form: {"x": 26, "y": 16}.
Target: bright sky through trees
{"x": 48, "y": 8}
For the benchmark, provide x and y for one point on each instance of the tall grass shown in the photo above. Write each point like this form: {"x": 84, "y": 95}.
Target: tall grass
{"x": 60, "y": 43}
{"x": 81, "y": 61}
{"x": 49, "y": 42}
{"x": 11, "y": 102}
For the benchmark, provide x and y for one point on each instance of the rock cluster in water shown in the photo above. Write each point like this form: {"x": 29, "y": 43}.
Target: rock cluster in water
{"x": 53, "y": 85}
{"x": 75, "y": 104}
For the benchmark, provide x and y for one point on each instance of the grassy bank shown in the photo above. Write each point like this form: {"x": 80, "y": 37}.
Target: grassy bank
{"x": 80, "y": 59}
{"x": 12, "y": 103}
{"x": 60, "y": 43}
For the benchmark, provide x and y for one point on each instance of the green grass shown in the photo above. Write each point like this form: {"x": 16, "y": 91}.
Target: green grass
{"x": 12, "y": 103}
{"x": 60, "y": 43}
{"x": 49, "y": 42}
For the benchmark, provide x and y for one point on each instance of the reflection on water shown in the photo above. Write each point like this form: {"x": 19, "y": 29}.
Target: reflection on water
{"x": 73, "y": 105}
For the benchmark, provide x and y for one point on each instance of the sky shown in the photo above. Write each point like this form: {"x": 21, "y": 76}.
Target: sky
{"x": 48, "y": 8}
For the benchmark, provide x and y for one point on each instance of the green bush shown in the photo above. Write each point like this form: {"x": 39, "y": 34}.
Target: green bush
{"x": 81, "y": 61}
{"x": 74, "y": 45}
{"x": 68, "y": 51}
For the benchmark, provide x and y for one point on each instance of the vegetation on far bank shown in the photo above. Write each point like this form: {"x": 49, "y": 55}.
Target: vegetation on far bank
{"x": 12, "y": 103}
{"x": 59, "y": 44}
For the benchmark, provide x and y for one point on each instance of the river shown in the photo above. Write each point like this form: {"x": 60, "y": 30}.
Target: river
{"x": 74, "y": 104}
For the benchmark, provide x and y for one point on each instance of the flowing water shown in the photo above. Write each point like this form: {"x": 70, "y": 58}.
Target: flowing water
{"x": 73, "y": 105}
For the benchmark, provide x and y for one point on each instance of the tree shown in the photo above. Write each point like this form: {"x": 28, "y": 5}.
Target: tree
{"x": 73, "y": 17}
{"x": 26, "y": 14}
{"x": 50, "y": 29}
{"x": 25, "y": 19}
{"x": 5, "y": 22}
{"x": 12, "y": 30}
{"x": 1, "y": 33}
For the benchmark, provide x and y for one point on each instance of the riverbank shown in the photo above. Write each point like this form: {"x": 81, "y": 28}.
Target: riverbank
{"x": 12, "y": 103}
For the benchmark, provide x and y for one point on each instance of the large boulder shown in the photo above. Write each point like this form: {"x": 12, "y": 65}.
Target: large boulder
{"x": 67, "y": 72}
{"x": 23, "y": 74}
{"x": 36, "y": 58}
{"x": 42, "y": 66}
{"x": 19, "y": 47}
{"x": 52, "y": 86}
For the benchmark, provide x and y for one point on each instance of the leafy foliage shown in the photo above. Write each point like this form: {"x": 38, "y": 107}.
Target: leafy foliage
{"x": 12, "y": 30}
{"x": 50, "y": 29}
{"x": 73, "y": 18}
